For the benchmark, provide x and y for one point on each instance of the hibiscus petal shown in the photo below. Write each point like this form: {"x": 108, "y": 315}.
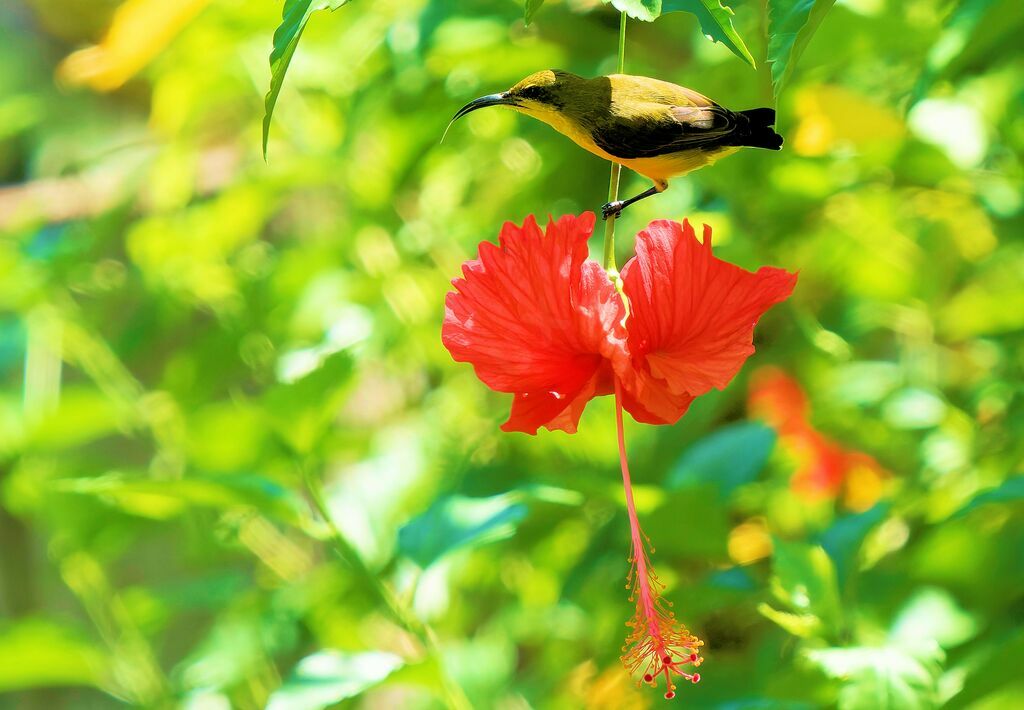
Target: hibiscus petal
{"x": 532, "y": 410}
{"x": 692, "y": 315}
{"x": 536, "y": 318}
{"x": 649, "y": 402}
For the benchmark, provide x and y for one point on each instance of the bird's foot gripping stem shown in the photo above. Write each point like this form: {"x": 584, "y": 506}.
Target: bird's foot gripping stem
{"x": 612, "y": 209}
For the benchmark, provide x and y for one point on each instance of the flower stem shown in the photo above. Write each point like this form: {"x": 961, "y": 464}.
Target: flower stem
{"x": 613, "y": 182}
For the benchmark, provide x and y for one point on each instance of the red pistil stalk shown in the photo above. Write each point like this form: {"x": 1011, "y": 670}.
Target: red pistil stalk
{"x": 658, "y": 643}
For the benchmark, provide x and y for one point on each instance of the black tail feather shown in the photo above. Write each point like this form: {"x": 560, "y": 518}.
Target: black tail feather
{"x": 758, "y": 132}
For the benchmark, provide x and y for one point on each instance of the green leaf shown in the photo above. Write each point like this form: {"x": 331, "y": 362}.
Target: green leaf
{"x": 301, "y": 411}
{"x": 975, "y": 32}
{"x": 162, "y": 499}
{"x": 791, "y": 24}
{"x": 728, "y": 458}
{"x": 328, "y": 677}
{"x": 933, "y": 615}
{"x": 428, "y": 674}
{"x": 644, "y": 10}
{"x": 530, "y": 9}
{"x": 703, "y": 510}
{"x": 1009, "y": 491}
{"x": 882, "y": 678}
{"x": 805, "y": 579}
{"x": 842, "y": 541}
{"x": 83, "y": 415}
{"x": 802, "y": 625}
{"x": 993, "y": 666}
{"x": 715, "y": 22}
{"x": 294, "y": 17}
{"x": 35, "y": 653}
{"x": 458, "y": 521}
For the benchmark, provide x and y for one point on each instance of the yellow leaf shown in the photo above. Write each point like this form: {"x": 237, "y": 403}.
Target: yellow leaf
{"x": 750, "y": 541}
{"x": 139, "y": 31}
{"x": 832, "y": 116}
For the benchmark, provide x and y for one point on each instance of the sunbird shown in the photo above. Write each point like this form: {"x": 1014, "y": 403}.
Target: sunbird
{"x": 655, "y": 128}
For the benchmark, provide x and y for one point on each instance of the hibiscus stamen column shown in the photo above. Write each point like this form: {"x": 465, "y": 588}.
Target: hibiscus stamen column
{"x": 658, "y": 644}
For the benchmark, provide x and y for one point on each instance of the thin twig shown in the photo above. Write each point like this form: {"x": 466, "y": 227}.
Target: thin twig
{"x": 613, "y": 182}
{"x": 398, "y": 609}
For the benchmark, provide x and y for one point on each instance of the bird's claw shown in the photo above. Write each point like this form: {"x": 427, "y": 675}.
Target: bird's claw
{"x": 612, "y": 209}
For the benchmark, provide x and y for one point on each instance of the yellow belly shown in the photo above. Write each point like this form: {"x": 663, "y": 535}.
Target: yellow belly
{"x": 662, "y": 167}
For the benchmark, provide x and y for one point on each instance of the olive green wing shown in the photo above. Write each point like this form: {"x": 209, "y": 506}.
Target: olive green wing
{"x": 628, "y": 88}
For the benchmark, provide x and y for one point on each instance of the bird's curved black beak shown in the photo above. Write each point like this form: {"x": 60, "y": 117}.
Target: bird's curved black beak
{"x": 502, "y": 99}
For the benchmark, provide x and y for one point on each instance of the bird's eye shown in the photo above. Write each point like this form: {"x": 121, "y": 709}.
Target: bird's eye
{"x": 531, "y": 92}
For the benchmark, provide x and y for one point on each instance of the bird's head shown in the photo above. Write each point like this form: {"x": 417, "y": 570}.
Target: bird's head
{"x": 544, "y": 95}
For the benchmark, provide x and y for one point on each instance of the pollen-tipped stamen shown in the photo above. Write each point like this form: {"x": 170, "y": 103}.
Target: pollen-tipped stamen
{"x": 658, "y": 643}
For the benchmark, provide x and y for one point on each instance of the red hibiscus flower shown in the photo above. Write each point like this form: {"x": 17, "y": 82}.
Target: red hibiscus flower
{"x": 536, "y": 318}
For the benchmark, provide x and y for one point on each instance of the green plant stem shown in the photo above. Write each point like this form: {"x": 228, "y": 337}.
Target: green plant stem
{"x": 455, "y": 698}
{"x": 764, "y": 69}
{"x": 613, "y": 182}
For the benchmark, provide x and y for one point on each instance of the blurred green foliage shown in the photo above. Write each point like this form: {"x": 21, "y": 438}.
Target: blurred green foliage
{"x": 237, "y": 468}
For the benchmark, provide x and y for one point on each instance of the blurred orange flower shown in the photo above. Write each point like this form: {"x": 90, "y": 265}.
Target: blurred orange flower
{"x": 825, "y": 469}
